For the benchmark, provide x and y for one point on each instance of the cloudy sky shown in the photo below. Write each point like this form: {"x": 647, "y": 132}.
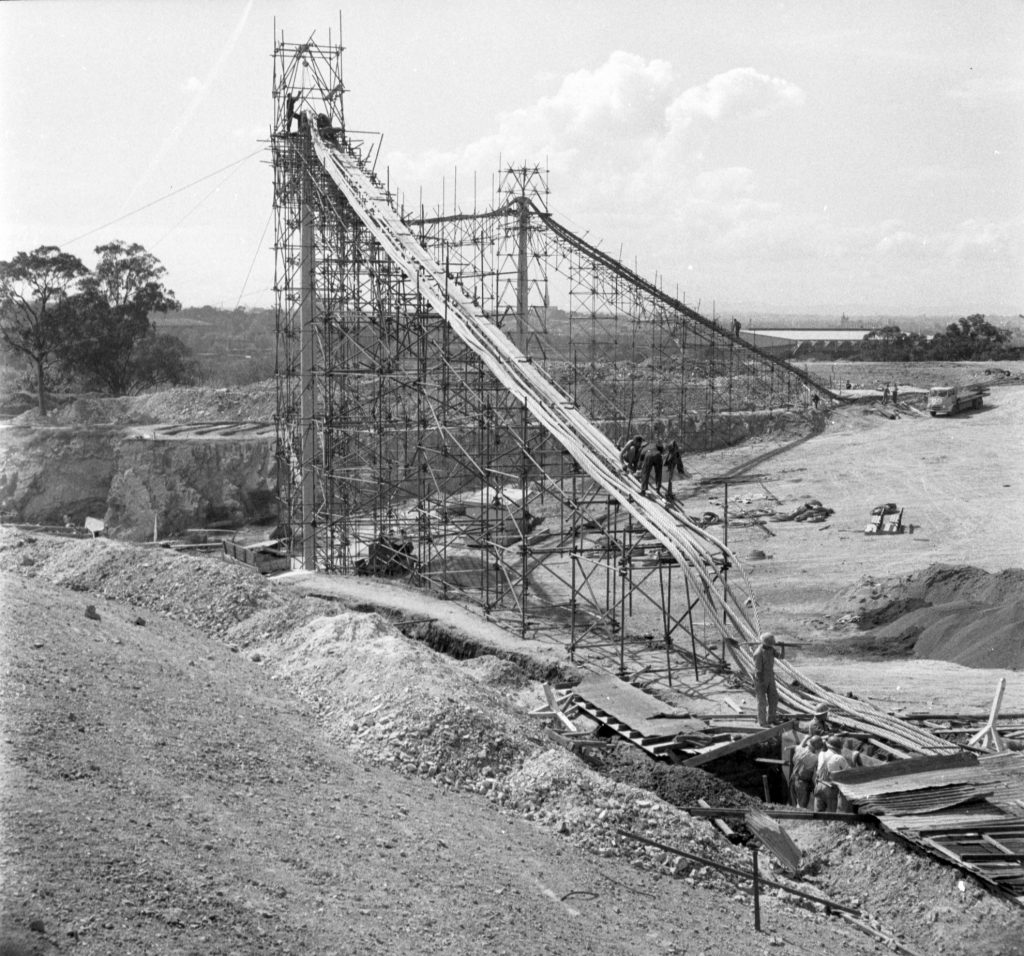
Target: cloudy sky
{"x": 808, "y": 157}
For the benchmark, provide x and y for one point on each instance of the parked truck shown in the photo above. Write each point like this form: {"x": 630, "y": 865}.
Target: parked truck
{"x": 950, "y": 399}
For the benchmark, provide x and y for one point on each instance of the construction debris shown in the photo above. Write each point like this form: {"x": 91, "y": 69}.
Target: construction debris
{"x": 812, "y": 511}
{"x": 964, "y": 808}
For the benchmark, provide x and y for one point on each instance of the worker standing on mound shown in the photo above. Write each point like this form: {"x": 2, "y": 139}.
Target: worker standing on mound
{"x": 630, "y": 454}
{"x": 764, "y": 681}
{"x": 830, "y": 761}
{"x": 805, "y": 765}
{"x": 653, "y": 461}
{"x": 673, "y": 460}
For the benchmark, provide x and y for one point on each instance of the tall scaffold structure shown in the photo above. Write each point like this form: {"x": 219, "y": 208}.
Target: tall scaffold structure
{"x": 407, "y": 443}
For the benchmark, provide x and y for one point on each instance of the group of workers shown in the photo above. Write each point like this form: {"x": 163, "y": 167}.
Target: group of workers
{"x": 815, "y": 761}
{"x": 820, "y": 753}
{"x": 651, "y": 460}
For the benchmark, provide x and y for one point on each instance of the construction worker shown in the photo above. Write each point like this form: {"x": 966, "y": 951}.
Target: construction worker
{"x": 653, "y": 460}
{"x": 289, "y": 112}
{"x": 673, "y": 460}
{"x": 830, "y": 762}
{"x": 805, "y": 765}
{"x": 764, "y": 681}
{"x": 819, "y": 724}
{"x": 630, "y": 454}
{"x": 885, "y": 394}
{"x": 895, "y": 393}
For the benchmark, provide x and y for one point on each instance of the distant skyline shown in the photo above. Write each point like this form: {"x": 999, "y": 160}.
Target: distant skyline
{"x": 791, "y": 158}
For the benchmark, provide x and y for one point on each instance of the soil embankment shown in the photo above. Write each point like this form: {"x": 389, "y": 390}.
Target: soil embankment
{"x": 107, "y": 458}
{"x": 337, "y": 787}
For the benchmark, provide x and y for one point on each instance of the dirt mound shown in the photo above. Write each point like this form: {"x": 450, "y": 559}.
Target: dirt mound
{"x": 971, "y": 634}
{"x": 557, "y": 789}
{"x": 678, "y": 785}
{"x": 397, "y": 702}
{"x": 205, "y": 592}
{"x": 954, "y": 613}
{"x": 246, "y": 403}
{"x": 495, "y": 672}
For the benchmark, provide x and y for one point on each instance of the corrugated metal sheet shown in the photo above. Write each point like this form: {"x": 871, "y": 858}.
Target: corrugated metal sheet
{"x": 928, "y": 800}
{"x": 969, "y": 810}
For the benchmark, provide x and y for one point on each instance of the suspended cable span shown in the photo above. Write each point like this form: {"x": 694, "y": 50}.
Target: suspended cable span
{"x": 173, "y": 192}
{"x": 259, "y": 246}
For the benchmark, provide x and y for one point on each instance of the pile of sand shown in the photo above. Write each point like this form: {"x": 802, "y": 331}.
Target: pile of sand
{"x": 953, "y": 613}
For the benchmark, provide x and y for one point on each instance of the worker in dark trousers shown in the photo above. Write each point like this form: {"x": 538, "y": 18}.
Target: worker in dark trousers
{"x": 630, "y": 454}
{"x": 805, "y": 766}
{"x": 765, "y": 691}
{"x": 673, "y": 460}
{"x": 653, "y": 461}
{"x": 289, "y": 112}
{"x": 895, "y": 393}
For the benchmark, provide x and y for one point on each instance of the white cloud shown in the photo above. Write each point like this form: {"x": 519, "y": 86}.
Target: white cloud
{"x": 192, "y": 85}
{"x": 638, "y": 158}
{"x": 624, "y": 132}
{"x": 737, "y": 93}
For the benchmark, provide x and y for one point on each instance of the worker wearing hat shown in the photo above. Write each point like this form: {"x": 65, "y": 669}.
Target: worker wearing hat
{"x": 765, "y": 691}
{"x": 805, "y": 765}
{"x": 830, "y": 761}
{"x": 819, "y": 722}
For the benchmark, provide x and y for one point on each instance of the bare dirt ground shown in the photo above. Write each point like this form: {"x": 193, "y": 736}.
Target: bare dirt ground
{"x": 961, "y": 485}
{"x": 210, "y": 762}
{"x": 164, "y": 793}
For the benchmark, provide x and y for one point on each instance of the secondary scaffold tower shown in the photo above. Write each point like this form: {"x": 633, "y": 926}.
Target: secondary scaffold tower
{"x": 453, "y": 387}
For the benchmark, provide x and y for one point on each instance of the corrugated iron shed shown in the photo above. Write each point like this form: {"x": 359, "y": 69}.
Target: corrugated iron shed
{"x": 966, "y": 809}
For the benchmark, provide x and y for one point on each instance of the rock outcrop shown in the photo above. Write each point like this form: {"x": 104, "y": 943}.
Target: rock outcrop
{"x": 60, "y": 475}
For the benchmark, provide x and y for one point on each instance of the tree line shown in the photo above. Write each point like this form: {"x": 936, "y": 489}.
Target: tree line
{"x": 971, "y": 338}
{"x": 91, "y": 329}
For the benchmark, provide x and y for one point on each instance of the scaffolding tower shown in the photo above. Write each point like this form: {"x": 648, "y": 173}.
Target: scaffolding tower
{"x": 400, "y": 454}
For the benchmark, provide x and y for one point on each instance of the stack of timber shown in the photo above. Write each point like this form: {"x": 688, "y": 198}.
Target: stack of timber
{"x": 962, "y": 808}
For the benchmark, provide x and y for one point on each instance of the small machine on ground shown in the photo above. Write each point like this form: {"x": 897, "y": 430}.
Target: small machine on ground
{"x": 885, "y": 519}
{"x": 950, "y": 399}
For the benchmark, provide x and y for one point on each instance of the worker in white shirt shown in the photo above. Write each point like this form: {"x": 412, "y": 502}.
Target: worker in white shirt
{"x": 830, "y": 762}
